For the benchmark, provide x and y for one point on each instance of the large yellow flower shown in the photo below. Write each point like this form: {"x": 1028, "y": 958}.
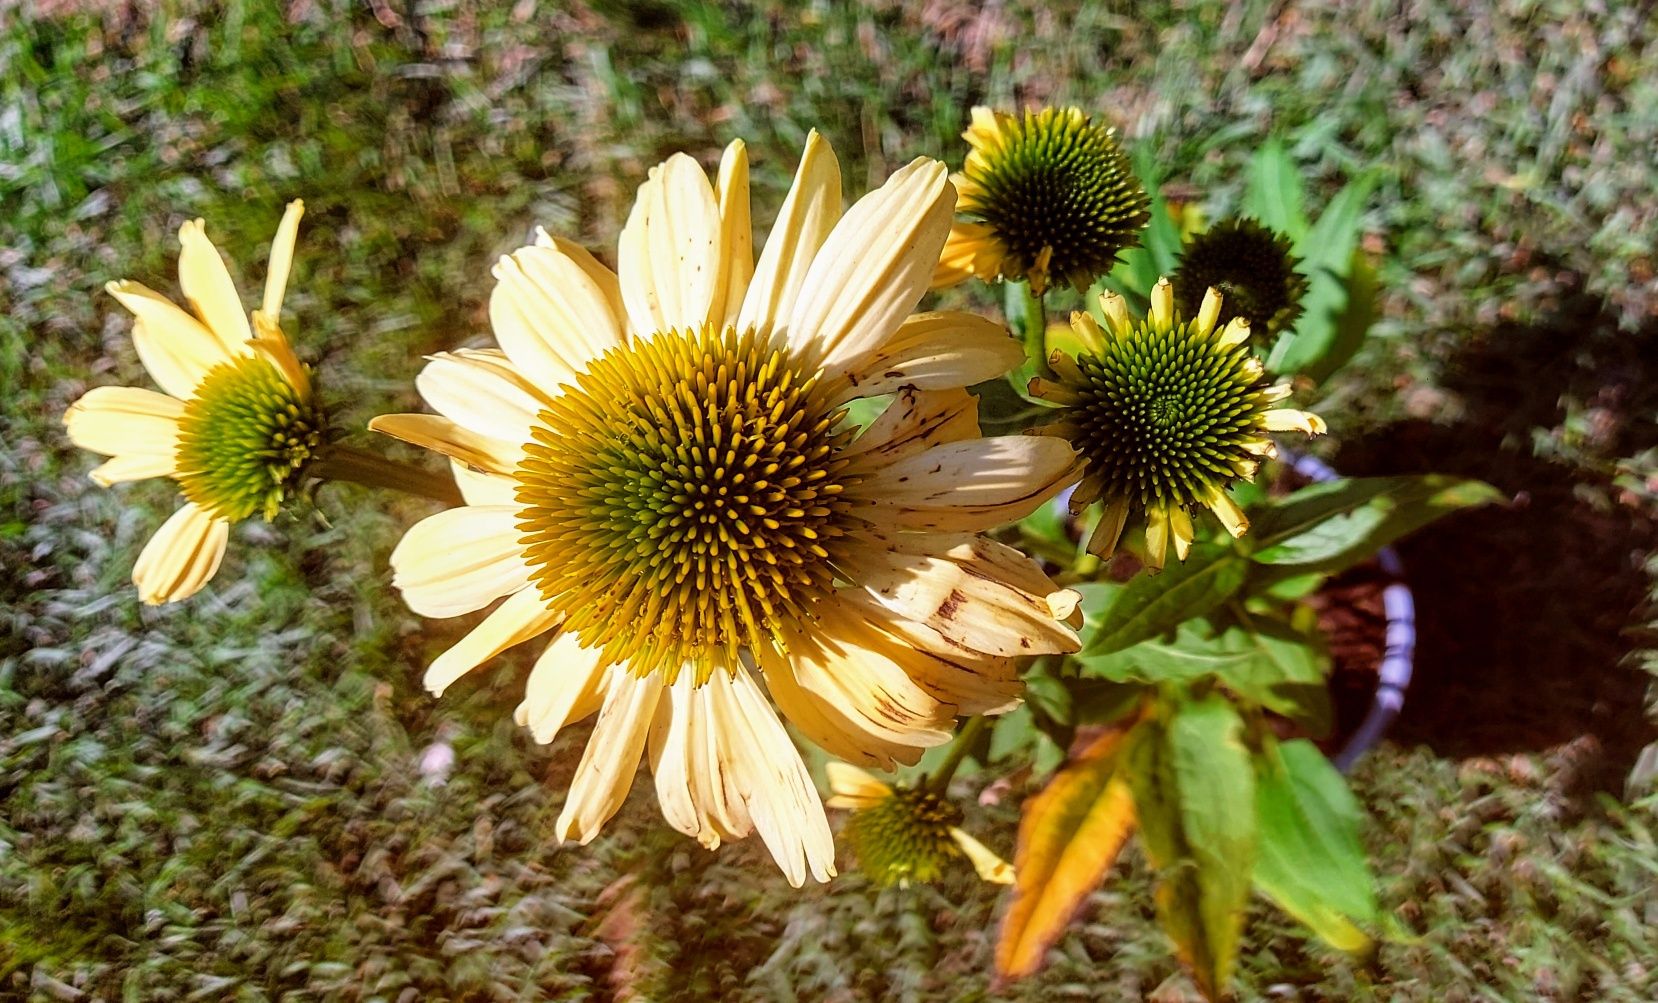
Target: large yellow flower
{"x": 236, "y": 424}
{"x": 659, "y": 473}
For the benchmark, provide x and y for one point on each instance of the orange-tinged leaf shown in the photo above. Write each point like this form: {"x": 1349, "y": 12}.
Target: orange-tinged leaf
{"x": 1069, "y": 836}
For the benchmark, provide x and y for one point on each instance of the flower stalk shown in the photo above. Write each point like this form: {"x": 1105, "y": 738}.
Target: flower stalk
{"x": 359, "y": 466}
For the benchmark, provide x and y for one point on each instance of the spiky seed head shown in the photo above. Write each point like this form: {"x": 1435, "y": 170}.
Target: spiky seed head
{"x": 245, "y": 439}
{"x": 905, "y": 837}
{"x": 684, "y": 498}
{"x": 1055, "y": 190}
{"x": 1252, "y": 268}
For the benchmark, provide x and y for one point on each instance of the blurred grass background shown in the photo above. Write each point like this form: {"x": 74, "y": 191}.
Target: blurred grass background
{"x": 225, "y": 800}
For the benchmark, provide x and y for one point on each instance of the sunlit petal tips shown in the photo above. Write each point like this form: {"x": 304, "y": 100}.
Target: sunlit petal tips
{"x": 690, "y": 504}
{"x": 237, "y": 426}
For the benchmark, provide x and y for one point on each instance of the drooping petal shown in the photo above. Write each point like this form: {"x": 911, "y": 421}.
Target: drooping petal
{"x": 124, "y": 421}
{"x": 566, "y": 685}
{"x": 133, "y": 467}
{"x": 981, "y": 594}
{"x": 670, "y": 255}
{"x": 445, "y": 436}
{"x": 460, "y": 560}
{"x": 207, "y": 284}
{"x": 915, "y": 421}
{"x": 281, "y": 261}
{"x": 523, "y": 616}
{"x": 852, "y": 787}
{"x": 1290, "y": 420}
{"x": 181, "y": 557}
{"x": 483, "y": 392}
{"x": 976, "y": 683}
{"x": 972, "y": 485}
{"x": 748, "y": 776}
{"x": 874, "y": 267}
{"x": 611, "y": 759}
{"x": 550, "y": 315}
{"x": 990, "y": 867}
{"x": 176, "y": 349}
{"x": 809, "y": 214}
{"x": 850, "y": 688}
{"x": 971, "y": 249}
{"x": 935, "y": 351}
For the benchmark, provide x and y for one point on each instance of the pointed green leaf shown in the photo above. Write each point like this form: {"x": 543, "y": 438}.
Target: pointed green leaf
{"x": 1273, "y": 195}
{"x": 1311, "y": 863}
{"x": 1153, "y": 604}
{"x": 1333, "y": 525}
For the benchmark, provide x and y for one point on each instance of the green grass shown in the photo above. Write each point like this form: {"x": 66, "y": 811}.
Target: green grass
{"x": 222, "y": 801}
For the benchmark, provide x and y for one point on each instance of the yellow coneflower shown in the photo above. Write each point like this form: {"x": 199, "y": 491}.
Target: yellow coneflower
{"x": 1165, "y": 413}
{"x": 906, "y": 834}
{"x": 236, "y": 425}
{"x": 659, "y": 472}
{"x": 1047, "y": 195}
{"x": 1252, "y": 269}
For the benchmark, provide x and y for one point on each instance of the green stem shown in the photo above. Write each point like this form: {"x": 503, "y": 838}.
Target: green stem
{"x": 939, "y": 780}
{"x": 359, "y": 466}
{"x": 1029, "y": 315}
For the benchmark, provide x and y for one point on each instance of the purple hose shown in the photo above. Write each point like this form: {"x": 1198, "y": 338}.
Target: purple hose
{"x": 1393, "y": 676}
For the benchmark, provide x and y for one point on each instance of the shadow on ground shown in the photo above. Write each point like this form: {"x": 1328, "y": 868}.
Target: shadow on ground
{"x": 1525, "y": 612}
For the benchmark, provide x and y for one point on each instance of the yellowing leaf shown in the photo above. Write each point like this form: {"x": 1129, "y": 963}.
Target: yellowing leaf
{"x": 1069, "y": 836}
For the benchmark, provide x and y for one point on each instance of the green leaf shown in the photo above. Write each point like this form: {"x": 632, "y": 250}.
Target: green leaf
{"x": 1216, "y": 782}
{"x": 1352, "y": 324}
{"x": 1311, "y": 863}
{"x": 1328, "y": 252}
{"x": 1273, "y": 195}
{"x": 1333, "y": 525}
{"x": 1269, "y": 664}
{"x": 1153, "y": 604}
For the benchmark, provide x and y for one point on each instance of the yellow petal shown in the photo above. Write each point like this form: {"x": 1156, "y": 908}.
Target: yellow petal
{"x": 1290, "y": 420}
{"x": 1180, "y": 529}
{"x": 482, "y": 392}
{"x": 550, "y": 315}
{"x": 934, "y": 351}
{"x": 1230, "y": 515}
{"x": 208, "y": 286}
{"x": 874, "y": 268}
{"x": 445, "y": 436}
{"x": 974, "y": 682}
{"x": 460, "y": 560}
{"x": 566, "y": 685}
{"x": 916, "y": 420}
{"x": 737, "y": 234}
{"x": 978, "y": 593}
{"x": 1102, "y": 542}
{"x": 281, "y": 261}
{"x": 1157, "y": 537}
{"x": 608, "y": 764}
{"x": 970, "y": 250}
{"x": 125, "y": 421}
{"x": 990, "y": 867}
{"x": 1162, "y": 305}
{"x": 175, "y": 347}
{"x": 809, "y": 214}
{"x": 182, "y": 556}
{"x": 482, "y": 488}
{"x": 270, "y": 344}
{"x": 602, "y": 276}
{"x": 1209, "y": 312}
{"x": 854, "y": 787}
{"x": 133, "y": 467}
{"x": 969, "y": 486}
{"x": 523, "y": 616}
{"x": 670, "y": 255}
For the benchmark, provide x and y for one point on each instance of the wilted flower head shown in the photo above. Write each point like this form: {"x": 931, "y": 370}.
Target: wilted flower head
{"x": 1252, "y": 269}
{"x": 661, "y": 477}
{"x": 1047, "y": 195}
{"x": 904, "y": 834}
{"x": 236, "y": 426}
{"x": 1165, "y": 413}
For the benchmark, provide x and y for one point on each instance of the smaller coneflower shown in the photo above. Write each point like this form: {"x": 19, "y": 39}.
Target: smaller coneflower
{"x": 905, "y": 834}
{"x": 237, "y": 425}
{"x": 1250, "y": 266}
{"x": 1166, "y": 413}
{"x": 1044, "y": 196}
